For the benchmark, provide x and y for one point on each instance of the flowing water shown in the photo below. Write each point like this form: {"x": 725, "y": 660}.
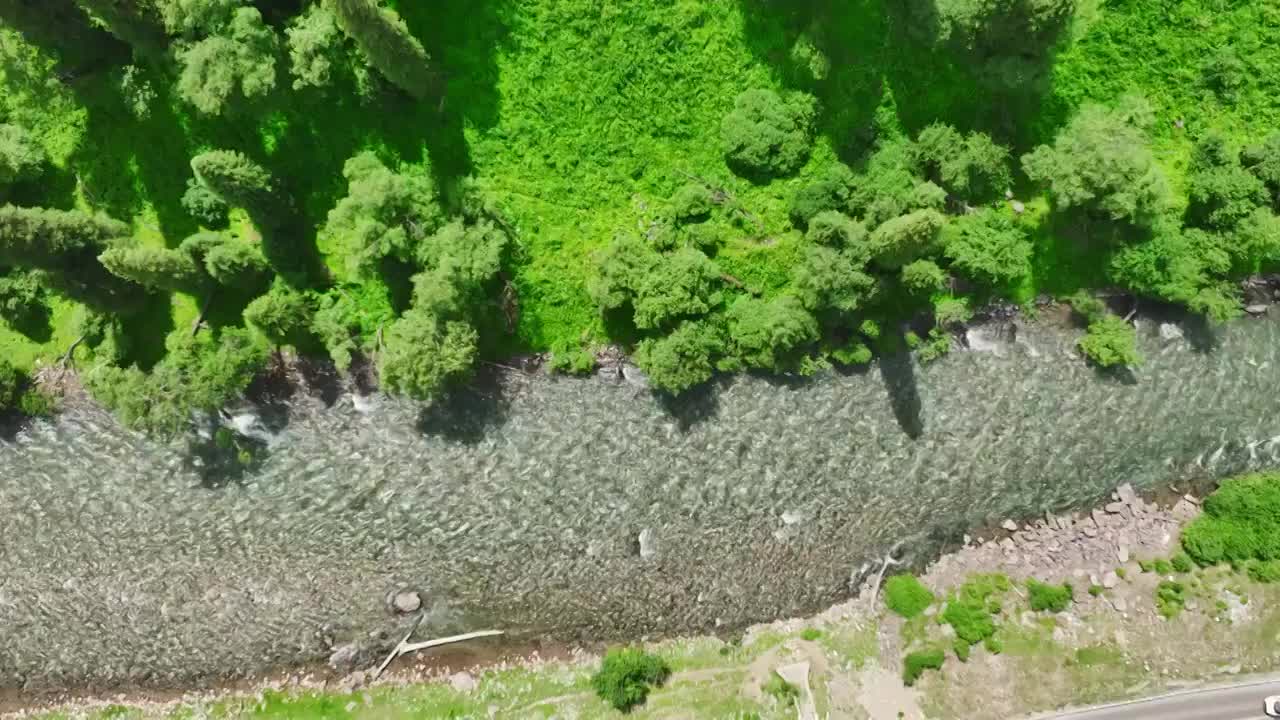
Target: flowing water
{"x": 583, "y": 508}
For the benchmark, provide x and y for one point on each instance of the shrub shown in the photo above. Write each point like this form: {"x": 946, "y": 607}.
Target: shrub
{"x": 626, "y": 675}
{"x": 1241, "y": 522}
{"x": 204, "y": 205}
{"x": 766, "y": 135}
{"x": 1054, "y": 598}
{"x": 784, "y": 692}
{"x": 1111, "y": 342}
{"x": 906, "y": 595}
{"x": 810, "y": 634}
{"x": 1181, "y": 562}
{"x": 1121, "y": 572}
{"x": 831, "y": 192}
{"x": 923, "y": 277}
{"x": 1170, "y": 598}
{"x": 1264, "y": 571}
{"x": 962, "y": 649}
{"x": 684, "y": 358}
{"x": 12, "y": 383}
{"x": 1096, "y": 590}
{"x": 572, "y": 361}
{"x": 692, "y": 203}
{"x": 993, "y": 645}
{"x": 971, "y": 620}
{"x": 988, "y": 246}
{"x": 1162, "y": 566}
{"x": 914, "y": 664}
{"x": 767, "y": 333}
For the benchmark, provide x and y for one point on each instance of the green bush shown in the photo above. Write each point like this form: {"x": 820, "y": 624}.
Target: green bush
{"x": 1171, "y": 597}
{"x": 810, "y": 634}
{"x": 993, "y": 645}
{"x": 1054, "y": 598}
{"x": 1181, "y": 562}
{"x": 914, "y": 664}
{"x": 692, "y": 203}
{"x": 1264, "y": 571}
{"x": 971, "y": 620}
{"x": 1111, "y": 342}
{"x": 1241, "y": 522}
{"x": 767, "y": 135}
{"x": 1096, "y": 590}
{"x": 906, "y": 595}
{"x": 572, "y": 361}
{"x": 784, "y": 692}
{"x": 626, "y": 676}
{"x": 962, "y": 649}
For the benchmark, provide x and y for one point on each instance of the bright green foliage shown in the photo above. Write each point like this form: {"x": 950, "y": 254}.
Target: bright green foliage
{"x": 767, "y": 135}
{"x": 909, "y": 237}
{"x": 692, "y": 203}
{"x": 204, "y": 205}
{"x": 973, "y": 167}
{"x": 906, "y": 595}
{"x": 424, "y": 354}
{"x": 1007, "y": 42}
{"x": 462, "y": 261}
{"x": 385, "y": 213}
{"x": 281, "y": 316}
{"x": 1102, "y": 162}
{"x": 626, "y": 676}
{"x": 346, "y": 315}
{"x": 156, "y": 268}
{"x": 836, "y": 230}
{"x": 1264, "y": 571}
{"x": 1241, "y": 522}
{"x": 385, "y": 40}
{"x": 1185, "y": 265}
{"x": 923, "y": 277}
{"x": 572, "y": 361}
{"x": 1096, "y": 590}
{"x": 1263, "y": 160}
{"x": 1111, "y": 342}
{"x": 915, "y": 663}
{"x": 889, "y": 186}
{"x": 230, "y": 262}
{"x": 21, "y": 157}
{"x": 767, "y": 333}
{"x": 952, "y": 311}
{"x": 238, "y": 64}
{"x": 316, "y": 46}
{"x": 198, "y": 375}
{"x": 989, "y": 246}
{"x": 969, "y": 610}
{"x": 786, "y": 694}
{"x": 240, "y": 182}
{"x": 1171, "y": 598}
{"x": 621, "y": 267}
{"x": 1222, "y": 192}
{"x": 23, "y": 300}
{"x": 1043, "y": 596}
{"x": 685, "y": 357}
{"x": 829, "y": 279}
{"x": 685, "y": 283}
{"x": 830, "y": 192}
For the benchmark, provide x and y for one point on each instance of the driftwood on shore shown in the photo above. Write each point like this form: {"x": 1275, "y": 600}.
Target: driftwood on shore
{"x": 404, "y": 647}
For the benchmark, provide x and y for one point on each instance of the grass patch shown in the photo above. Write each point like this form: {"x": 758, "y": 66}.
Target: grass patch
{"x": 906, "y": 595}
{"x": 915, "y": 663}
{"x": 1054, "y": 598}
{"x": 1171, "y": 598}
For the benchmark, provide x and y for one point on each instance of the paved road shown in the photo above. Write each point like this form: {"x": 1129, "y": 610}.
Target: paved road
{"x": 1237, "y": 702}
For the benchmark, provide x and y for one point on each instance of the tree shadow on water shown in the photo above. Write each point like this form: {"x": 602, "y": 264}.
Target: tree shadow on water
{"x": 899, "y": 376}
{"x": 694, "y": 406}
{"x": 467, "y": 414}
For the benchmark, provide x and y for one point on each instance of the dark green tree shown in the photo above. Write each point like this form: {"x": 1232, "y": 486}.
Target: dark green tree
{"x": 282, "y": 316}
{"x": 424, "y": 354}
{"x": 686, "y": 283}
{"x": 21, "y": 157}
{"x": 768, "y": 333}
{"x": 988, "y": 246}
{"x": 63, "y": 27}
{"x": 237, "y": 64}
{"x": 1263, "y": 160}
{"x": 156, "y": 268}
{"x": 229, "y": 262}
{"x": 1102, "y": 162}
{"x": 1222, "y": 192}
{"x": 316, "y": 47}
{"x": 685, "y": 357}
{"x": 923, "y": 277}
{"x": 132, "y": 21}
{"x": 909, "y": 237}
{"x": 830, "y": 279}
{"x": 24, "y": 303}
{"x": 241, "y": 182}
{"x": 385, "y": 214}
{"x": 972, "y": 167}
{"x": 386, "y": 41}
{"x": 767, "y": 135}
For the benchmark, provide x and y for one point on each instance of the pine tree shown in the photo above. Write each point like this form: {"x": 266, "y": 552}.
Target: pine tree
{"x": 158, "y": 268}
{"x": 240, "y": 182}
{"x": 386, "y": 41}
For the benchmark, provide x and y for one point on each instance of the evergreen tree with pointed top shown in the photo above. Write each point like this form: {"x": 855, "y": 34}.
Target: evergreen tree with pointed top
{"x": 385, "y": 39}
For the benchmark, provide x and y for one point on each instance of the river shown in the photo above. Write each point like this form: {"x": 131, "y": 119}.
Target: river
{"x": 580, "y": 508}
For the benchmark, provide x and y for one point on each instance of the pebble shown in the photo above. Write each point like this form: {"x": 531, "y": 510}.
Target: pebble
{"x": 1009, "y": 525}
{"x": 1122, "y": 553}
{"x": 1110, "y": 580}
{"x": 407, "y": 602}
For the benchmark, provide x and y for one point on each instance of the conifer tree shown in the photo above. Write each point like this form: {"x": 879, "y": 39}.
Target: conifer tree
{"x": 385, "y": 39}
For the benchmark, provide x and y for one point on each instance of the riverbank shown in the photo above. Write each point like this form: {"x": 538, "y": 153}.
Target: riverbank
{"x": 500, "y": 508}
{"x": 1110, "y": 644}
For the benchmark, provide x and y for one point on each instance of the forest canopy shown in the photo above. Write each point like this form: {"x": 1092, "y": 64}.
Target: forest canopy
{"x": 191, "y": 189}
